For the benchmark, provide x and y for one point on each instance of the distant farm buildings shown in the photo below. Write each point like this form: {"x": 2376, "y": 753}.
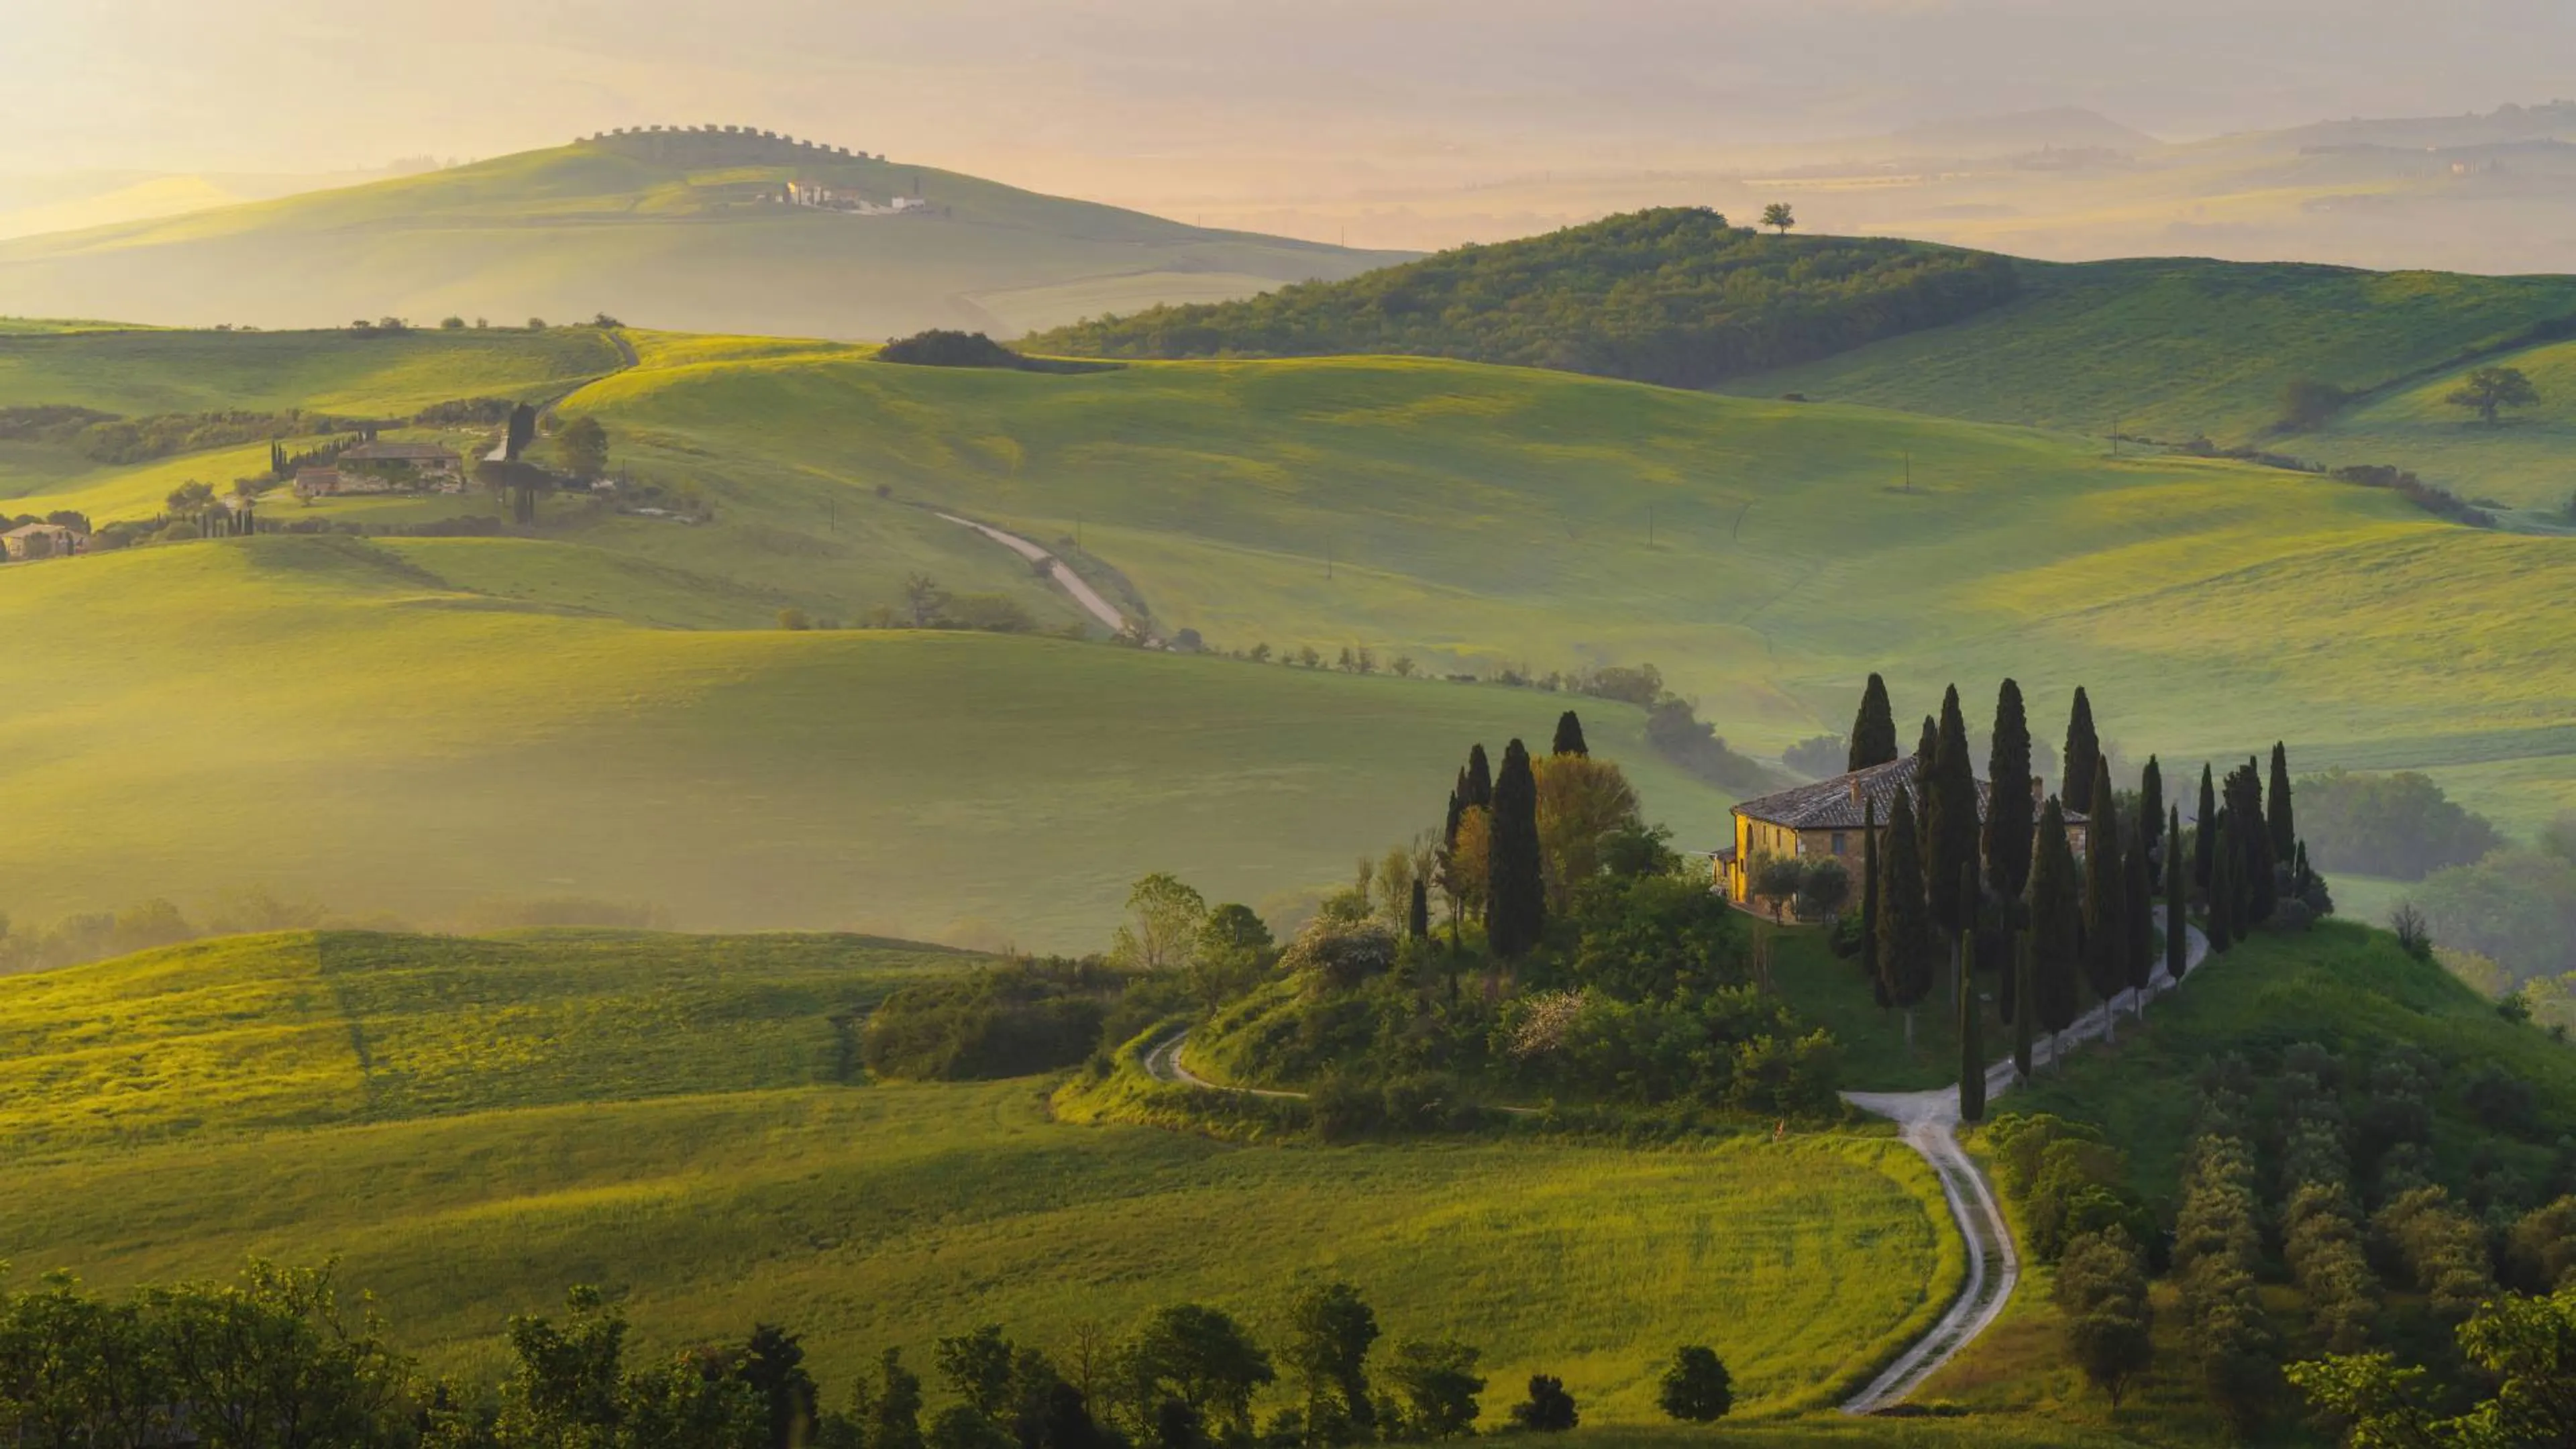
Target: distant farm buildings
{"x": 44, "y": 540}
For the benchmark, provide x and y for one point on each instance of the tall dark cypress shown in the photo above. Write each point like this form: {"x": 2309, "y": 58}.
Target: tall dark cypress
{"x": 1869, "y": 887}
{"x": 2011, "y": 806}
{"x": 2284, "y": 829}
{"x": 1907, "y": 946}
{"x": 1457, "y": 813}
{"x": 1515, "y": 885}
{"x": 2056, "y": 923}
{"x": 2151, "y": 808}
{"x": 1873, "y": 736}
{"x": 2138, "y": 912}
{"x": 2204, "y": 852}
{"x": 2023, "y": 987}
{"x": 1569, "y": 736}
{"x": 2222, "y": 888}
{"x": 2083, "y": 751}
{"x": 2106, "y": 938}
{"x": 1950, "y": 829}
{"x": 2250, "y": 837}
{"x": 1927, "y": 745}
{"x": 1480, "y": 779}
{"x": 1417, "y": 918}
{"x": 2177, "y": 939}
{"x": 1972, "y": 1049}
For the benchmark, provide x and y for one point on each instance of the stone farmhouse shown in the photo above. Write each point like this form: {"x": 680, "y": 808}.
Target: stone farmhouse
{"x": 44, "y": 540}
{"x": 1828, "y": 818}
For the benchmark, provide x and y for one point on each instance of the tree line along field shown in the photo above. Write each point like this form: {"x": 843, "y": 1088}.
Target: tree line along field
{"x": 470, "y": 1126}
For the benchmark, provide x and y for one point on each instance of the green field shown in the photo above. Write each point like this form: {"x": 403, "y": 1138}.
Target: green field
{"x": 471, "y": 1126}
{"x": 332, "y": 719}
{"x": 2525, "y": 461}
{"x": 2171, "y": 347}
{"x": 683, "y": 240}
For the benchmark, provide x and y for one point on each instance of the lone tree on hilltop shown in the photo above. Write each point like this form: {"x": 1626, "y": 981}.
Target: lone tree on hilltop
{"x": 1873, "y": 737}
{"x": 1778, "y": 215}
{"x": 2011, "y": 807}
{"x": 2490, "y": 390}
{"x": 1696, "y": 1387}
{"x": 1569, "y": 736}
{"x": 1906, "y": 943}
{"x": 2083, "y": 749}
{"x": 1515, "y": 879}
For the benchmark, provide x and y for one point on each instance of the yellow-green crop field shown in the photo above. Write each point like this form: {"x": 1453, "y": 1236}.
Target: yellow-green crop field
{"x": 471, "y": 1126}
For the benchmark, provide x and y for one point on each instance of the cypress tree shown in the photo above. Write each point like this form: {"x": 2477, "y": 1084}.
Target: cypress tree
{"x": 1950, "y": 824}
{"x": 1873, "y": 736}
{"x": 1417, "y": 920}
{"x": 1927, "y": 745}
{"x": 1480, "y": 779}
{"x": 2249, "y": 837}
{"x": 1569, "y": 736}
{"x": 2083, "y": 752}
{"x": 1515, "y": 885}
{"x": 2222, "y": 890}
{"x": 2138, "y": 914}
{"x": 2106, "y": 939}
{"x": 2205, "y": 845}
{"x": 1906, "y": 943}
{"x": 1457, "y": 813}
{"x": 1869, "y": 887}
{"x": 2022, "y": 987}
{"x": 2011, "y": 808}
{"x": 2177, "y": 940}
{"x": 2056, "y": 923}
{"x": 2151, "y": 808}
{"x": 1972, "y": 1050}
{"x": 2284, "y": 829}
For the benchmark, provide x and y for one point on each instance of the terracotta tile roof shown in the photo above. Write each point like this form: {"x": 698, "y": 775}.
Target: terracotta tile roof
{"x": 1840, "y": 803}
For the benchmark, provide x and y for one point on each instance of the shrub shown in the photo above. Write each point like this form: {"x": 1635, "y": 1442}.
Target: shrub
{"x": 1339, "y": 955}
{"x": 1696, "y": 1387}
{"x": 1005, "y": 1021}
{"x": 1549, "y": 1409}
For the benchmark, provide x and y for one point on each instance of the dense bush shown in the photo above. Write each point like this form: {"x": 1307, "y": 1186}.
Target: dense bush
{"x": 1006, "y": 1021}
{"x": 1673, "y": 296}
{"x": 2398, "y": 825}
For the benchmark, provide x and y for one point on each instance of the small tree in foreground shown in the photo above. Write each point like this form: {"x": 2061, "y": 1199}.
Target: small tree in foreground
{"x": 1696, "y": 1386}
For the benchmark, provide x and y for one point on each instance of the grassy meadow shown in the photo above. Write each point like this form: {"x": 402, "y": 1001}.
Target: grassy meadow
{"x": 1765, "y": 554}
{"x": 2522, "y": 461}
{"x": 469, "y": 1126}
{"x": 2169, "y": 347}
{"x": 333, "y": 719}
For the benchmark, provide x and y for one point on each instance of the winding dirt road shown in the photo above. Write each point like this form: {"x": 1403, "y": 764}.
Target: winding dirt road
{"x": 1930, "y": 1122}
{"x": 1062, "y": 575}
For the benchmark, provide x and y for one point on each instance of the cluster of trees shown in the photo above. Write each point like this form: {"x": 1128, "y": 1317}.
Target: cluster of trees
{"x": 1006, "y": 1021}
{"x": 2002, "y": 889}
{"x": 2516, "y": 907}
{"x": 1674, "y": 296}
{"x": 2398, "y": 825}
{"x": 1543, "y": 940}
{"x": 2433, "y": 498}
{"x": 940, "y": 347}
{"x": 104, "y": 437}
{"x": 278, "y": 1360}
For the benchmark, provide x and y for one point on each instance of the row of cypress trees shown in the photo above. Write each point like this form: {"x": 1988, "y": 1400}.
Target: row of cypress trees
{"x": 1515, "y": 884}
{"x": 2010, "y": 895}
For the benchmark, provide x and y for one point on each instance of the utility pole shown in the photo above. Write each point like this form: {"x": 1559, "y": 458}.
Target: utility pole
{"x": 1650, "y": 525}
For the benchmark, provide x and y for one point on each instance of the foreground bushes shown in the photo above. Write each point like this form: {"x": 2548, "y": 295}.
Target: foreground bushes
{"x": 1008, "y": 1021}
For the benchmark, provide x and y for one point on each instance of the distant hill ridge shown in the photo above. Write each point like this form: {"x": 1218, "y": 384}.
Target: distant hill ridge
{"x": 1675, "y": 296}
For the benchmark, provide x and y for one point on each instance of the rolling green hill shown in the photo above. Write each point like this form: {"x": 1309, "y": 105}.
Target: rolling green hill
{"x": 334, "y": 719}
{"x": 2169, "y": 348}
{"x": 2523, "y": 461}
{"x": 676, "y": 229}
{"x": 471, "y": 1126}
{"x": 1675, "y": 296}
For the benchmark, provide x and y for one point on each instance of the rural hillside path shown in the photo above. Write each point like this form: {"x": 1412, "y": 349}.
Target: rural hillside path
{"x": 1056, "y": 569}
{"x": 1931, "y": 1127}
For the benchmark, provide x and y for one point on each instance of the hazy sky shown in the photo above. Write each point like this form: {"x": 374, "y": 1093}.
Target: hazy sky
{"x": 1231, "y": 97}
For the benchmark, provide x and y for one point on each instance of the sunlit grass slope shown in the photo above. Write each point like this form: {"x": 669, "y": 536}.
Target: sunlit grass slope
{"x": 2170, "y": 347}
{"x": 572, "y": 230}
{"x": 335, "y": 719}
{"x": 1480, "y": 517}
{"x": 469, "y": 1127}
{"x": 2525, "y": 460}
